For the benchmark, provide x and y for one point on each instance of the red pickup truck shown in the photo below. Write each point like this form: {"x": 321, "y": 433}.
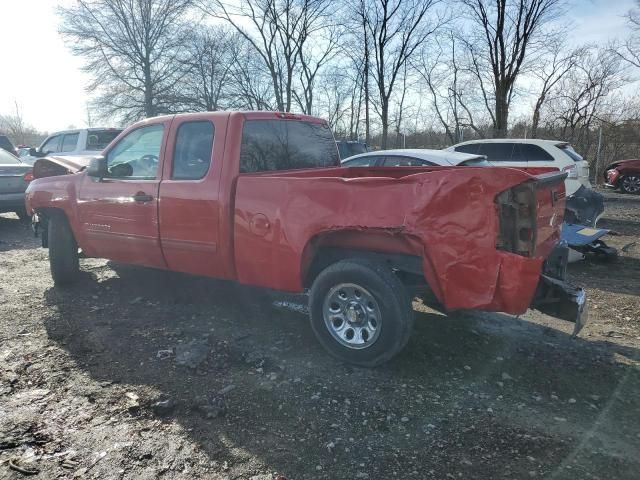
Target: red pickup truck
{"x": 260, "y": 198}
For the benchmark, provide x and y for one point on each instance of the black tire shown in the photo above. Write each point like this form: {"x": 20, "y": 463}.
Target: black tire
{"x": 627, "y": 188}
{"x": 63, "y": 251}
{"x": 22, "y": 214}
{"x": 393, "y": 301}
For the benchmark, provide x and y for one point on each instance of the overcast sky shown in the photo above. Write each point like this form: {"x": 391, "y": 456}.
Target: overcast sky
{"x": 45, "y": 80}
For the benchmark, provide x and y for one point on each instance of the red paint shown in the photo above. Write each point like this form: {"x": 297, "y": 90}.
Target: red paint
{"x": 263, "y": 229}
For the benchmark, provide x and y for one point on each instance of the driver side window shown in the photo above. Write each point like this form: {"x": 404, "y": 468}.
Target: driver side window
{"x": 137, "y": 154}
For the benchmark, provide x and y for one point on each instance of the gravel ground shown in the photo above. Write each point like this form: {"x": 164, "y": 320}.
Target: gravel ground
{"x": 136, "y": 374}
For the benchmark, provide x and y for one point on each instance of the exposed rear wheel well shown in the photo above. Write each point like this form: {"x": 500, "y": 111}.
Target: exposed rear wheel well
{"x": 407, "y": 267}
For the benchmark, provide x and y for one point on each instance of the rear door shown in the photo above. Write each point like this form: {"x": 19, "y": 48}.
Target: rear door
{"x": 190, "y": 204}
{"x": 119, "y": 214}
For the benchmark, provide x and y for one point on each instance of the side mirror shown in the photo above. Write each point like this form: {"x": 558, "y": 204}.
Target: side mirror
{"x": 98, "y": 168}
{"x": 33, "y": 152}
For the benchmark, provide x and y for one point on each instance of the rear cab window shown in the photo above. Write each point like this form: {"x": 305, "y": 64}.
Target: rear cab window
{"x": 273, "y": 145}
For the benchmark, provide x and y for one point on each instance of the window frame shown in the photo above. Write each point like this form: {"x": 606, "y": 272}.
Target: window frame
{"x": 175, "y": 145}
{"x": 158, "y": 174}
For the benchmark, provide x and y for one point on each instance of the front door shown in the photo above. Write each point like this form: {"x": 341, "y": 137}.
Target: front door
{"x": 119, "y": 213}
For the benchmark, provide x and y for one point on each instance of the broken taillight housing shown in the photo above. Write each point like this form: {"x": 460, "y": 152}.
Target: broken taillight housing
{"x": 517, "y": 217}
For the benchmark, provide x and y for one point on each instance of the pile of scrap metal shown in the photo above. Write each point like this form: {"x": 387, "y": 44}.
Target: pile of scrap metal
{"x": 584, "y": 209}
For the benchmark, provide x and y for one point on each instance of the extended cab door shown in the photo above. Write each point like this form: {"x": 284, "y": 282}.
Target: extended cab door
{"x": 119, "y": 213}
{"x": 190, "y": 203}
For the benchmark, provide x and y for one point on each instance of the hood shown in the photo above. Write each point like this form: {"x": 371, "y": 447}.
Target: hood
{"x": 72, "y": 163}
{"x": 630, "y": 161}
{"x": 60, "y": 165}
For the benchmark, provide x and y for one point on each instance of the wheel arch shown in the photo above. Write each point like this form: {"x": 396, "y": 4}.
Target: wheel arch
{"x": 400, "y": 251}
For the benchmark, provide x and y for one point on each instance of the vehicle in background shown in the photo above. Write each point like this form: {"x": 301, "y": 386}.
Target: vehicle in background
{"x": 623, "y": 175}
{"x": 415, "y": 158}
{"x": 6, "y": 145}
{"x": 584, "y": 205}
{"x": 532, "y": 153}
{"x": 78, "y": 142}
{"x": 23, "y": 151}
{"x": 348, "y": 148}
{"x": 264, "y": 202}
{"x": 14, "y": 179}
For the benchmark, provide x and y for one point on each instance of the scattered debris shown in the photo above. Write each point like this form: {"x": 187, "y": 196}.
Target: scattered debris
{"x": 164, "y": 354}
{"x": 14, "y": 465}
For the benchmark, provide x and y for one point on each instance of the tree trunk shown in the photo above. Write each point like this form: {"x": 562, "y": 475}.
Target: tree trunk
{"x": 502, "y": 113}
{"x": 536, "y": 116}
{"x": 384, "y": 117}
{"x": 149, "y": 108}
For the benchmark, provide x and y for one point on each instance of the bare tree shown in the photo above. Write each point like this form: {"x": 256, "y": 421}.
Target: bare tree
{"x": 583, "y": 97}
{"x": 630, "y": 49}
{"x": 396, "y": 28}
{"x": 556, "y": 62}
{"x": 280, "y": 31}
{"x": 132, "y": 49}
{"x": 505, "y": 32}
{"x": 450, "y": 86}
{"x": 209, "y": 68}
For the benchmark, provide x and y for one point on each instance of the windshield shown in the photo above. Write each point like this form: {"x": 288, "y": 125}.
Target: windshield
{"x": 349, "y": 149}
{"x": 97, "y": 140}
{"x": 7, "y": 159}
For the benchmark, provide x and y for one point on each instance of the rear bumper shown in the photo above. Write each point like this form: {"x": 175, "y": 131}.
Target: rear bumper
{"x": 558, "y": 298}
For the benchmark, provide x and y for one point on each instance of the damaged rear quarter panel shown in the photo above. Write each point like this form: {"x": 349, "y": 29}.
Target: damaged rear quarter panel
{"x": 448, "y": 215}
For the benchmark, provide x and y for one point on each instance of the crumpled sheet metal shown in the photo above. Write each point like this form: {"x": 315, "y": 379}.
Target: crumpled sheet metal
{"x": 448, "y": 215}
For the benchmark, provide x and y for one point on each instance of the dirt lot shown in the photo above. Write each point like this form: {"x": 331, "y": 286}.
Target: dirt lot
{"x": 141, "y": 374}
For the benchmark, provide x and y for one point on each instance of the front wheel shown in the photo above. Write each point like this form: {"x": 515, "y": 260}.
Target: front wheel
{"x": 630, "y": 184}
{"x": 360, "y": 312}
{"x": 22, "y": 214}
{"x": 63, "y": 251}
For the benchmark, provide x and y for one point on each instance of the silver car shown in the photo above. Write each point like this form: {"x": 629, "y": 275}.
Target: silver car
{"x": 14, "y": 178}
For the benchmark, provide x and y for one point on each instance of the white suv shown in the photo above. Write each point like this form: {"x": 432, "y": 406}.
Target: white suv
{"x": 520, "y": 152}
{"x": 84, "y": 141}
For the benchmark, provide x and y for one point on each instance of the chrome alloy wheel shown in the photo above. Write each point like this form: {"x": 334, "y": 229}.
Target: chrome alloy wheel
{"x": 352, "y": 316}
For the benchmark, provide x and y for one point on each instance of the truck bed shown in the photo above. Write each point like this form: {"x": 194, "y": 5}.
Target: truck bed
{"x": 448, "y": 220}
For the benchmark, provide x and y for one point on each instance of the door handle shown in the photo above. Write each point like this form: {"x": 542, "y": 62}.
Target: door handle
{"x": 142, "y": 197}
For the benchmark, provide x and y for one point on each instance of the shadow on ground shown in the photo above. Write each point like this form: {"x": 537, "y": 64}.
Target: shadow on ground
{"x": 472, "y": 395}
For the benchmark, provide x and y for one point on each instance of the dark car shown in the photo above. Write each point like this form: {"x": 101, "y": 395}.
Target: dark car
{"x": 6, "y": 144}
{"x": 14, "y": 179}
{"x": 623, "y": 175}
{"x": 349, "y": 148}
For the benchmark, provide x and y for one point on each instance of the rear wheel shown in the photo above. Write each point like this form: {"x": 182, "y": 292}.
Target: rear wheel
{"x": 630, "y": 184}
{"x": 63, "y": 251}
{"x": 360, "y": 312}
